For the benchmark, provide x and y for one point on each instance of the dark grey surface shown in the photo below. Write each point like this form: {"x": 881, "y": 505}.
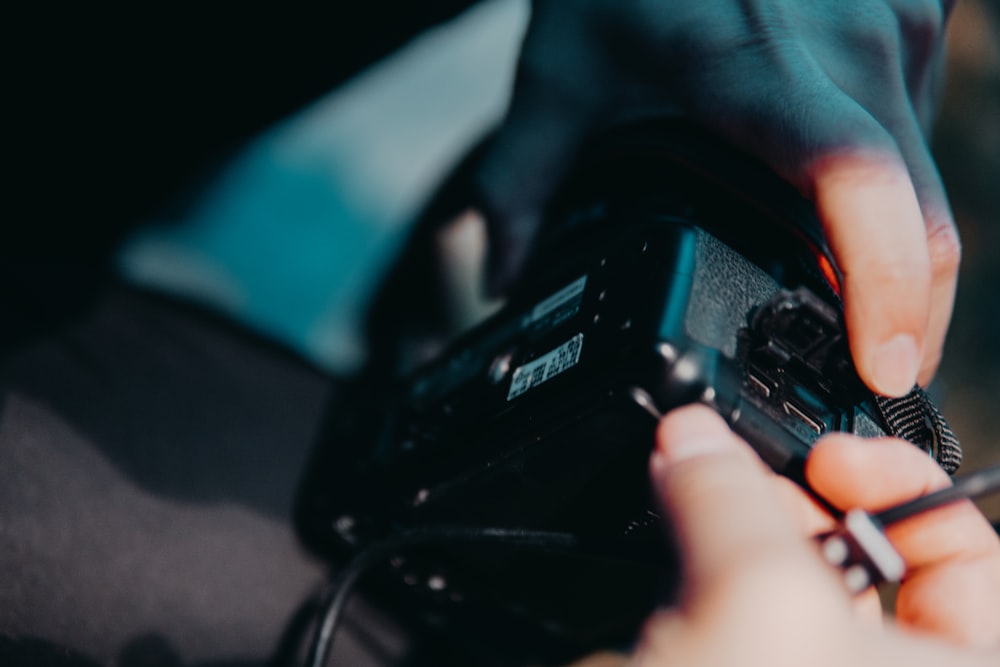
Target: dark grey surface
{"x": 967, "y": 147}
{"x": 722, "y": 300}
{"x": 149, "y": 455}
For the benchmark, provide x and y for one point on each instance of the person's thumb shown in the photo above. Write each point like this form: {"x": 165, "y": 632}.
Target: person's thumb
{"x": 719, "y": 497}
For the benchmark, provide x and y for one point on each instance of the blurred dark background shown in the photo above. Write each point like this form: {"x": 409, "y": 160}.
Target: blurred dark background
{"x": 967, "y": 146}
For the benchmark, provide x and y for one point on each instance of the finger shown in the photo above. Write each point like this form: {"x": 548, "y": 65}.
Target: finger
{"x": 721, "y": 501}
{"x": 905, "y": 68}
{"x": 873, "y": 223}
{"x": 955, "y": 600}
{"x": 895, "y": 109}
{"x": 876, "y": 474}
{"x": 952, "y": 553}
{"x": 943, "y": 246}
{"x": 868, "y": 607}
{"x": 523, "y": 166}
{"x": 824, "y": 142}
{"x": 812, "y": 519}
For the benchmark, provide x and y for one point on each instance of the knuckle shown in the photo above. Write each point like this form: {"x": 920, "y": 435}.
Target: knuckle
{"x": 945, "y": 249}
{"x": 875, "y": 33}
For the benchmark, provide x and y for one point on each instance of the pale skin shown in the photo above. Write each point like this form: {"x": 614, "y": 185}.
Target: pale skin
{"x": 836, "y": 97}
{"x": 756, "y": 590}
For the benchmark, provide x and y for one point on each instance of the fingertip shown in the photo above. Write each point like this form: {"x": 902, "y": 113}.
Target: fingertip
{"x": 894, "y": 365}
{"x": 838, "y": 450}
{"x": 830, "y": 456}
{"x": 890, "y": 367}
{"x": 875, "y": 227}
{"x": 871, "y": 473}
{"x": 689, "y": 432}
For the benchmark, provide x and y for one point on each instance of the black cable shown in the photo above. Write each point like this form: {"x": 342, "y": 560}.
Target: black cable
{"x": 968, "y": 486}
{"x": 340, "y": 588}
{"x": 972, "y": 485}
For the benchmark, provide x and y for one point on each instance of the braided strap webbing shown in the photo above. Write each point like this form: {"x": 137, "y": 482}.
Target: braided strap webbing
{"x": 914, "y": 417}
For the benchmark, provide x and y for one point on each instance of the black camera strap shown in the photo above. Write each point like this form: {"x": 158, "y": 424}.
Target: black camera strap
{"x": 915, "y": 418}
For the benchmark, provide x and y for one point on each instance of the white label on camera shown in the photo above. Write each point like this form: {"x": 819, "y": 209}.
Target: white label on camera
{"x": 545, "y": 367}
{"x": 570, "y": 293}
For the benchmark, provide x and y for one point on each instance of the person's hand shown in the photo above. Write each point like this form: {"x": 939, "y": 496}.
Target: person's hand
{"x": 952, "y": 584}
{"x": 756, "y": 591}
{"x": 836, "y": 97}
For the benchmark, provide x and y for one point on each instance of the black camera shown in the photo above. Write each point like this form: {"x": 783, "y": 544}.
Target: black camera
{"x": 670, "y": 270}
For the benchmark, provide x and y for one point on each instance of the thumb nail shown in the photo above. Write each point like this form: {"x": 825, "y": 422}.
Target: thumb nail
{"x": 895, "y": 365}
{"x": 682, "y": 450}
{"x": 689, "y": 433}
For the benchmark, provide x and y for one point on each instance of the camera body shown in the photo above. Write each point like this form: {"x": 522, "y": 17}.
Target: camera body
{"x": 670, "y": 270}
